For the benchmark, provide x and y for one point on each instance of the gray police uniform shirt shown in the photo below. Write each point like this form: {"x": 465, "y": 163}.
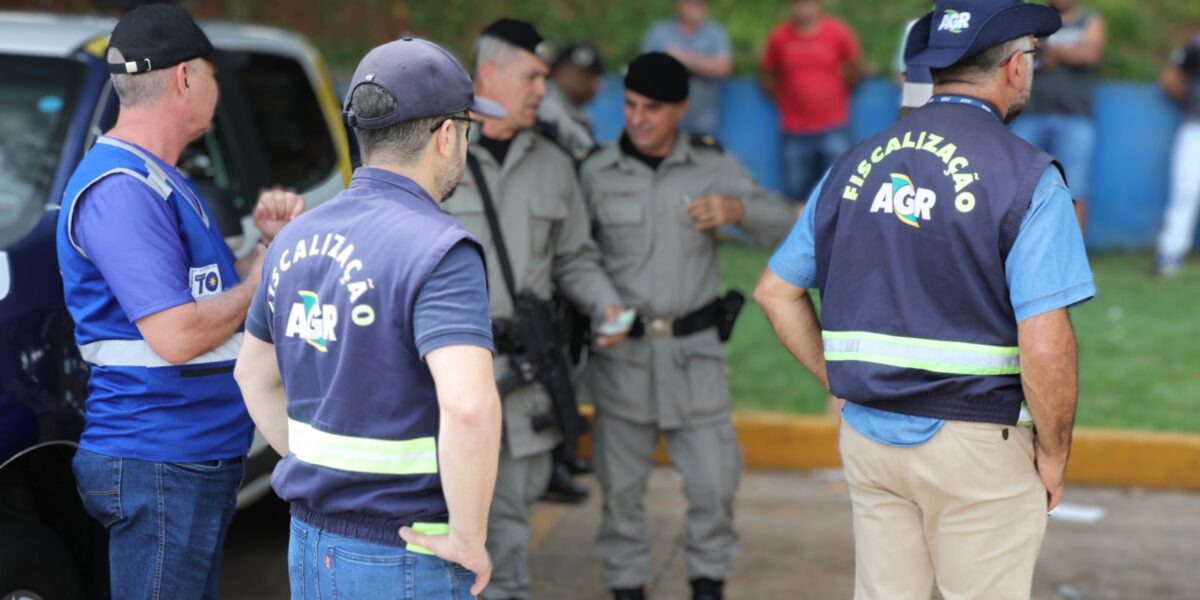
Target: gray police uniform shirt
{"x": 569, "y": 125}
{"x": 703, "y": 93}
{"x": 664, "y": 267}
{"x": 548, "y": 235}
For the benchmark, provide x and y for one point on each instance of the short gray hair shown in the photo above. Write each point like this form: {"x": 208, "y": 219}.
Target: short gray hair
{"x": 139, "y": 88}
{"x": 975, "y": 69}
{"x": 490, "y": 48}
{"x": 402, "y": 143}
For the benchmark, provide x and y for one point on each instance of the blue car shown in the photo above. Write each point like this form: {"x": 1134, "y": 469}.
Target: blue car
{"x": 278, "y": 122}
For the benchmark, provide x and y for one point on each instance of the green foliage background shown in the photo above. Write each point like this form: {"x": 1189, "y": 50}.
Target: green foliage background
{"x": 1142, "y": 32}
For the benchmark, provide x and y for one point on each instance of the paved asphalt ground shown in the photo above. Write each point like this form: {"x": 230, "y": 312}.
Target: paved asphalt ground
{"x": 797, "y": 543}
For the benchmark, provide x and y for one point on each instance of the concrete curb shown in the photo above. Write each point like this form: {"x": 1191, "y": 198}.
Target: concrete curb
{"x": 1111, "y": 457}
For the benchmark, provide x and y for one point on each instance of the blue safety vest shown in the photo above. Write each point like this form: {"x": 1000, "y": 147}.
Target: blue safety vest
{"x": 139, "y": 405}
{"x": 912, "y": 231}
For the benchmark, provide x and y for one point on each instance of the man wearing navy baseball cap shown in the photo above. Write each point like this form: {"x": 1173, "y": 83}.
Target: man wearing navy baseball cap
{"x": 947, "y": 254}
{"x": 368, "y": 359}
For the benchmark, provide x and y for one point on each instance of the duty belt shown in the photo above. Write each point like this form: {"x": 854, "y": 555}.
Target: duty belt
{"x": 720, "y": 313}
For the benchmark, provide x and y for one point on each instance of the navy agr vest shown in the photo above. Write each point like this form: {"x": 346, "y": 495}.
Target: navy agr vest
{"x": 341, "y": 283}
{"x": 912, "y": 230}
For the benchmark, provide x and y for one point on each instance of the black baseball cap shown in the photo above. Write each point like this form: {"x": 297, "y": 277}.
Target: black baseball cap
{"x": 960, "y": 29}
{"x": 423, "y": 78}
{"x": 156, "y": 36}
{"x": 658, "y": 76}
{"x": 582, "y": 55}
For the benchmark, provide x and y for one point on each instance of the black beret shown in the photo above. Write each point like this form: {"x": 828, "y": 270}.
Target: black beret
{"x": 582, "y": 55}
{"x": 157, "y": 36}
{"x": 521, "y": 35}
{"x": 658, "y": 76}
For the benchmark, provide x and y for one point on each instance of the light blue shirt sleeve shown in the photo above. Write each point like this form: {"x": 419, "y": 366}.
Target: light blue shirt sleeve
{"x": 1047, "y": 267}
{"x": 796, "y": 259}
{"x": 655, "y": 40}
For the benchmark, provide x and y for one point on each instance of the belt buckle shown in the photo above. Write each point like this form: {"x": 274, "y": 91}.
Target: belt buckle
{"x": 661, "y": 327}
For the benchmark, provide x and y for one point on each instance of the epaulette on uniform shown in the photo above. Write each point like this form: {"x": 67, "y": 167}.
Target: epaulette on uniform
{"x": 706, "y": 141}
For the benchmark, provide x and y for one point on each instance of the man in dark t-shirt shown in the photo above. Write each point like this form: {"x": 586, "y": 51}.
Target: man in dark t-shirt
{"x": 1181, "y": 80}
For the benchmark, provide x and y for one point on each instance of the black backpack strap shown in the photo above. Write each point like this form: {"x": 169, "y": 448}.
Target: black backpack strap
{"x": 489, "y": 208}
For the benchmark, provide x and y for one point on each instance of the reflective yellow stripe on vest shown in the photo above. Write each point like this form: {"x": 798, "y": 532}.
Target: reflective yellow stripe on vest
{"x": 954, "y": 358}
{"x": 427, "y": 529}
{"x": 362, "y": 455}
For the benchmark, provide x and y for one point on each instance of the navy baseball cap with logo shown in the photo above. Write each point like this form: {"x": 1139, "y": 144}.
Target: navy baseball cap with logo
{"x": 423, "y": 78}
{"x": 156, "y": 36}
{"x": 960, "y": 29}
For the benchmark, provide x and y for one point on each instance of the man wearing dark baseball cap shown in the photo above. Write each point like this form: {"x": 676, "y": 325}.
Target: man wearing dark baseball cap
{"x": 947, "y": 254}
{"x": 158, "y": 300}
{"x": 368, "y": 359}
{"x": 576, "y": 76}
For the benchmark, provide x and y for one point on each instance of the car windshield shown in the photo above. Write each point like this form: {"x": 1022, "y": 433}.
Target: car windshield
{"x": 36, "y": 95}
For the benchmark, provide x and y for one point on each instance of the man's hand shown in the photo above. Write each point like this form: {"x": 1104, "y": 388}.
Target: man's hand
{"x": 470, "y": 554}
{"x": 1053, "y": 471}
{"x": 276, "y": 207}
{"x": 716, "y": 209}
{"x": 611, "y": 315}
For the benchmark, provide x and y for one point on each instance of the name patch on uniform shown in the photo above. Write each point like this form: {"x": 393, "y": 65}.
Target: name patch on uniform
{"x": 205, "y": 281}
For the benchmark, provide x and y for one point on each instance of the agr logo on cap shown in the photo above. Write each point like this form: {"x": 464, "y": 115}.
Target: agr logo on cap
{"x": 955, "y": 22}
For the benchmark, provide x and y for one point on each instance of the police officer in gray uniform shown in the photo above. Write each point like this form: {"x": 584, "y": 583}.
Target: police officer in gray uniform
{"x": 656, "y": 197}
{"x": 576, "y": 77}
{"x": 544, "y": 223}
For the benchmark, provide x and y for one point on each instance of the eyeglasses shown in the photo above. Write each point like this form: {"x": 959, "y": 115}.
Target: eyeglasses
{"x": 439, "y": 124}
{"x": 1005, "y": 62}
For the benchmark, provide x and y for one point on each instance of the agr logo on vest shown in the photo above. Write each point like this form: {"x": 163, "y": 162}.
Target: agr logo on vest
{"x": 902, "y": 198}
{"x": 312, "y": 321}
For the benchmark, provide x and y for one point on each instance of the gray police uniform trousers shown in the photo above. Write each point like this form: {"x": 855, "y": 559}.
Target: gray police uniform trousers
{"x": 519, "y": 483}
{"x": 710, "y": 461}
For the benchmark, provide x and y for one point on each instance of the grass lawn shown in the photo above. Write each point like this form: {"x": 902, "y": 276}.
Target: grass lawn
{"x": 1139, "y": 348}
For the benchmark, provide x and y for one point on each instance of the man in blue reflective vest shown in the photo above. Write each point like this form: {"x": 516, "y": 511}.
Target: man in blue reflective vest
{"x": 947, "y": 253}
{"x": 372, "y": 316}
{"x": 157, "y": 303}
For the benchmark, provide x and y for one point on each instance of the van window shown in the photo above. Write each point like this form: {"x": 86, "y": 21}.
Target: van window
{"x": 295, "y": 136}
{"x": 36, "y": 99}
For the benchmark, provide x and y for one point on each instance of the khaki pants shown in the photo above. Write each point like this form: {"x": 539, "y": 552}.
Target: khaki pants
{"x": 966, "y": 507}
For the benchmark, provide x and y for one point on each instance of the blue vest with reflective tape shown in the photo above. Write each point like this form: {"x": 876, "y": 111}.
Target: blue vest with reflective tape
{"x": 363, "y": 413}
{"x": 139, "y": 405}
{"x": 912, "y": 231}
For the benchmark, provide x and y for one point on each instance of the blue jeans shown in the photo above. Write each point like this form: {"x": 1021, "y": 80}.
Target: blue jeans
{"x": 1068, "y": 138}
{"x": 324, "y": 566}
{"x": 806, "y": 157}
{"x": 166, "y": 521}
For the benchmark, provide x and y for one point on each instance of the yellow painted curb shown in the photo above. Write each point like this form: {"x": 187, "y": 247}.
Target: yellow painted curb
{"x": 1113, "y": 457}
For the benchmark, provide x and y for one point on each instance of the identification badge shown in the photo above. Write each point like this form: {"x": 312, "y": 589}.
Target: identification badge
{"x": 205, "y": 281}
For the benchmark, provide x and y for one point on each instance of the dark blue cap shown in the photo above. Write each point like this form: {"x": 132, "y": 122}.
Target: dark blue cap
{"x": 960, "y": 29}
{"x": 423, "y": 78}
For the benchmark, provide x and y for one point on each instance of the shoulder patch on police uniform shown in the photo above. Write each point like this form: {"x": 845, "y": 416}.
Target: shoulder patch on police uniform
{"x": 706, "y": 141}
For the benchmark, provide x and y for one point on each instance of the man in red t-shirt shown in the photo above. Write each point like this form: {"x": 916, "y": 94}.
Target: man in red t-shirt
{"x": 810, "y": 65}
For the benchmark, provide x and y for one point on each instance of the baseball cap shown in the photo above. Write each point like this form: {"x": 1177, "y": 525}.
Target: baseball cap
{"x": 960, "y": 29}
{"x": 423, "y": 78}
{"x": 658, "y": 76}
{"x": 156, "y": 36}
